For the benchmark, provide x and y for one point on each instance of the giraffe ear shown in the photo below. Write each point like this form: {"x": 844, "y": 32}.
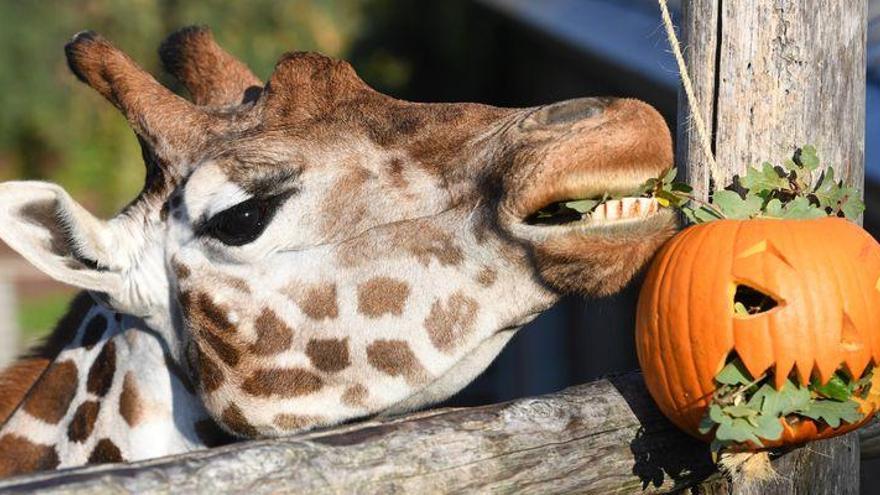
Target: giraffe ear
{"x": 48, "y": 228}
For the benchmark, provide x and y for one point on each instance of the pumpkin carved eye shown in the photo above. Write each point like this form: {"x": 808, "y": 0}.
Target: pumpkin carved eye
{"x": 750, "y": 301}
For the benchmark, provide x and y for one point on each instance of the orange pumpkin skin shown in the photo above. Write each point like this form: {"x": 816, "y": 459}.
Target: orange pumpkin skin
{"x": 825, "y": 276}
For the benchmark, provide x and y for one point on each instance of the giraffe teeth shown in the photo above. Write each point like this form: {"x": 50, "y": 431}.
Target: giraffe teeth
{"x": 624, "y": 209}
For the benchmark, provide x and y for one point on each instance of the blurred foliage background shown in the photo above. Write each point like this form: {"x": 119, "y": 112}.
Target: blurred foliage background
{"x": 54, "y": 128}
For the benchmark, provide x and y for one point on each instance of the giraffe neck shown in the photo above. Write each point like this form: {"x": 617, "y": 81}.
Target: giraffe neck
{"x": 111, "y": 393}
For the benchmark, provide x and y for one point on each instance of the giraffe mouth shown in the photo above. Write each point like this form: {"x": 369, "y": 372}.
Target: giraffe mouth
{"x": 594, "y": 211}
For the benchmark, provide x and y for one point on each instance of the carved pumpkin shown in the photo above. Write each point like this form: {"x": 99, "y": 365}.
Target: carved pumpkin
{"x": 820, "y": 281}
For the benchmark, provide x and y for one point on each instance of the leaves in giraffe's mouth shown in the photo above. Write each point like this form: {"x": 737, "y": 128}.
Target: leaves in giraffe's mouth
{"x": 594, "y": 210}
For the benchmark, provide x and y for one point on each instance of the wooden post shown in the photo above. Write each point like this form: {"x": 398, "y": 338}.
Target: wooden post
{"x": 772, "y": 75}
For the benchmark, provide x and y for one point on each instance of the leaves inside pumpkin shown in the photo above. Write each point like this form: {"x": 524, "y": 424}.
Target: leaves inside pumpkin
{"x": 744, "y": 409}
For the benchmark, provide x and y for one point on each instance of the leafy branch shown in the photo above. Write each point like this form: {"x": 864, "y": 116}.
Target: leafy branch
{"x": 792, "y": 190}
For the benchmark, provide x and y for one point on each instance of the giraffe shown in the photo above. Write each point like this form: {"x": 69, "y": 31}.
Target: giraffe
{"x": 306, "y": 252}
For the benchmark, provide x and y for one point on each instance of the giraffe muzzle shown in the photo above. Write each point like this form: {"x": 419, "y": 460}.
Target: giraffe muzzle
{"x": 596, "y": 154}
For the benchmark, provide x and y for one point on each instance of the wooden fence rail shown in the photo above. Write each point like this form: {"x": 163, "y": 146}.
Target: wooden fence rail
{"x": 603, "y": 437}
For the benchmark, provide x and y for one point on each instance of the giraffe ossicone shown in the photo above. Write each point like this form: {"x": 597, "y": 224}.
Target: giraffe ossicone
{"x": 306, "y": 251}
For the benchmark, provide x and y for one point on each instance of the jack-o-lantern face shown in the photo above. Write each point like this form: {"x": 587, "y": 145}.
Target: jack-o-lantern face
{"x": 813, "y": 291}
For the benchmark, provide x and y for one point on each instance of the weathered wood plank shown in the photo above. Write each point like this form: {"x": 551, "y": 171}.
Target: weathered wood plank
{"x": 603, "y": 437}
{"x": 772, "y": 75}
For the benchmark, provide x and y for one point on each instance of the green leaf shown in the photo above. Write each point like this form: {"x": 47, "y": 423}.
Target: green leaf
{"x": 793, "y": 398}
{"x": 667, "y": 198}
{"x": 738, "y": 431}
{"x": 669, "y": 176}
{"x": 801, "y": 208}
{"x": 582, "y": 205}
{"x": 764, "y": 179}
{"x": 649, "y": 186}
{"x": 828, "y": 191}
{"x": 809, "y": 159}
{"x": 774, "y": 208}
{"x": 733, "y": 373}
{"x": 706, "y": 425}
{"x": 717, "y": 415}
{"x": 833, "y": 412}
{"x": 863, "y": 385}
{"x": 733, "y": 206}
{"x": 700, "y": 214}
{"x": 853, "y": 206}
{"x": 836, "y": 388}
{"x": 768, "y": 427}
{"x": 766, "y": 399}
{"x": 681, "y": 187}
{"x": 740, "y": 411}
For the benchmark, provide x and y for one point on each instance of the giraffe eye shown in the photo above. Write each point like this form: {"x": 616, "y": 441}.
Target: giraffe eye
{"x": 242, "y": 223}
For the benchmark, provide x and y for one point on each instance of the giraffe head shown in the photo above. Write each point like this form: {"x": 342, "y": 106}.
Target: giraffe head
{"x": 317, "y": 251}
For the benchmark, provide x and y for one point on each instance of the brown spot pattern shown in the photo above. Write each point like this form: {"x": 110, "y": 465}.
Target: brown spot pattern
{"x": 83, "y": 422}
{"x": 210, "y": 376}
{"x": 345, "y": 207}
{"x": 180, "y": 270}
{"x": 51, "y": 396}
{"x": 94, "y": 331}
{"x": 273, "y": 335}
{"x": 295, "y": 421}
{"x": 210, "y": 434}
{"x": 211, "y": 325}
{"x": 449, "y": 322}
{"x": 382, "y": 295}
{"x": 487, "y": 276}
{"x": 395, "y": 172}
{"x": 317, "y": 301}
{"x": 235, "y": 421}
{"x": 328, "y": 355}
{"x": 18, "y": 455}
{"x": 101, "y": 373}
{"x": 355, "y": 395}
{"x": 130, "y": 407}
{"x": 395, "y": 358}
{"x": 431, "y": 243}
{"x": 224, "y": 350}
{"x": 233, "y": 282}
{"x": 105, "y": 452}
{"x": 284, "y": 382}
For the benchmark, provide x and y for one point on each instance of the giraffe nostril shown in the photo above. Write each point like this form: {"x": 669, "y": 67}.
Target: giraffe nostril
{"x": 567, "y": 112}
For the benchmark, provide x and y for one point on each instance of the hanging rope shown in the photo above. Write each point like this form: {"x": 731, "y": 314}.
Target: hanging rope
{"x": 693, "y": 104}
